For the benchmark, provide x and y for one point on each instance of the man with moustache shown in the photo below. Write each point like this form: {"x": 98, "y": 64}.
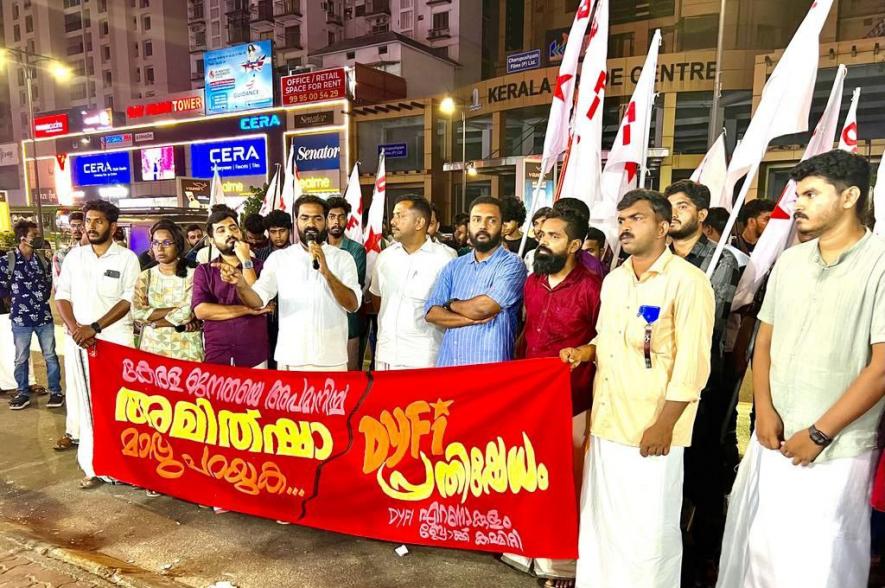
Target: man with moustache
{"x": 561, "y": 309}
{"x": 317, "y": 286}
{"x": 233, "y": 333}
{"x": 818, "y": 385}
{"x": 93, "y": 296}
{"x": 336, "y": 223}
{"x": 652, "y": 355}
{"x": 75, "y": 223}
{"x": 477, "y": 297}
{"x": 278, "y": 224}
{"x": 403, "y": 277}
{"x": 711, "y": 459}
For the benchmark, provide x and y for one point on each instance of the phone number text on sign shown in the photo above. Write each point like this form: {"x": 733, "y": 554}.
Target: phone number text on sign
{"x": 317, "y": 86}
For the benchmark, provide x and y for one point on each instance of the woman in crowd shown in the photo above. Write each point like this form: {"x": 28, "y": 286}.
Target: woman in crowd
{"x": 162, "y": 302}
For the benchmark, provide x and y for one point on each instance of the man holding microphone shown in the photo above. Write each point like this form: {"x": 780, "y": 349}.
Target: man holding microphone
{"x": 317, "y": 286}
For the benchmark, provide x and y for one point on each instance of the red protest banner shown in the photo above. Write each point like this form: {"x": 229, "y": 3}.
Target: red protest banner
{"x": 472, "y": 457}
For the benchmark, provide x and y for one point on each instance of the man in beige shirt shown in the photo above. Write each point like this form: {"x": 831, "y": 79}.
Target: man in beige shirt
{"x": 818, "y": 384}
{"x": 652, "y": 354}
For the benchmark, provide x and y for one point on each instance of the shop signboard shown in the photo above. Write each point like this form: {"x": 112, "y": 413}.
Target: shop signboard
{"x": 236, "y": 157}
{"x": 394, "y": 150}
{"x": 523, "y": 61}
{"x": 102, "y": 169}
{"x": 314, "y": 86}
{"x": 317, "y": 152}
{"x": 51, "y": 125}
{"x": 239, "y": 77}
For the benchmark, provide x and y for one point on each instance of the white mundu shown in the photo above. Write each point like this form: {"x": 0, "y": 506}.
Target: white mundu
{"x": 404, "y": 282}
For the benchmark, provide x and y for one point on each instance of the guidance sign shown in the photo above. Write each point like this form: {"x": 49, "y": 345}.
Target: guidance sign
{"x": 239, "y": 78}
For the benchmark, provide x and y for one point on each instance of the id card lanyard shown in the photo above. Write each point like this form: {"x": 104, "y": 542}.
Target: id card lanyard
{"x": 650, "y": 314}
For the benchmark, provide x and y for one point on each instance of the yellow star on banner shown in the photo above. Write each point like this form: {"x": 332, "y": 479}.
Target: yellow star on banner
{"x": 441, "y": 408}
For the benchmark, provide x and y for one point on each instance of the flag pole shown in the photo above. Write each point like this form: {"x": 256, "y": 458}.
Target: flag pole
{"x": 535, "y": 201}
{"x": 643, "y": 165}
{"x": 732, "y": 219}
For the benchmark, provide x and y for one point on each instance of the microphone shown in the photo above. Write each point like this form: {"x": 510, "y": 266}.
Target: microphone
{"x": 311, "y": 239}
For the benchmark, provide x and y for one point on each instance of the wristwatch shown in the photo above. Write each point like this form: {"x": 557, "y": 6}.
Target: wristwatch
{"x": 248, "y": 264}
{"x": 818, "y": 438}
{"x": 95, "y": 327}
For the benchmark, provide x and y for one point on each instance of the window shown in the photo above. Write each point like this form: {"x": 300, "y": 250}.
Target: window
{"x": 78, "y": 92}
{"x": 92, "y": 89}
{"x": 440, "y": 20}
{"x": 71, "y": 3}
{"x": 21, "y": 77}
{"x": 105, "y": 53}
{"x": 620, "y": 45}
{"x": 146, "y": 23}
{"x": 263, "y": 36}
{"x": 87, "y": 22}
{"x": 331, "y": 38}
{"x": 214, "y": 13}
{"x": 359, "y": 10}
{"x": 90, "y": 67}
{"x": 106, "y": 76}
{"x": 200, "y": 38}
{"x": 216, "y": 29}
{"x": 405, "y": 4}
{"x": 200, "y": 67}
{"x": 148, "y": 48}
{"x": 102, "y": 5}
{"x": 89, "y": 43}
{"x": 382, "y": 50}
{"x": 145, "y": 3}
{"x": 80, "y": 68}
{"x": 698, "y": 32}
{"x": 75, "y": 46}
{"x": 149, "y": 76}
{"x": 138, "y": 74}
{"x": 109, "y": 101}
{"x": 293, "y": 36}
{"x": 72, "y": 22}
{"x": 136, "y": 49}
{"x": 15, "y": 11}
{"x": 16, "y": 33}
{"x": 351, "y": 54}
{"x": 22, "y": 97}
{"x": 405, "y": 20}
{"x": 29, "y": 24}
{"x": 34, "y": 92}
{"x": 103, "y": 28}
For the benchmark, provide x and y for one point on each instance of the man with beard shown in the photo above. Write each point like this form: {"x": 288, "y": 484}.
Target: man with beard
{"x": 336, "y": 223}
{"x": 561, "y": 308}
{"x": 233, "y": 333}
{"x": 317, "y": 286}
{"x": 818, "y": 386}
{"x": 401, "y": 283}
{"x": 95, "y": 290}
{"x": 75, "y": 222}
{"x": 711, "y": 459}
{"x": 477, "y": 297}
{"x": 754, "y": 217}
{"x": 652, "y": 356}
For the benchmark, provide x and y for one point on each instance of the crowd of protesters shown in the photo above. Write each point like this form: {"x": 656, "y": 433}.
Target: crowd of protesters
{"x": 657, "y": 355}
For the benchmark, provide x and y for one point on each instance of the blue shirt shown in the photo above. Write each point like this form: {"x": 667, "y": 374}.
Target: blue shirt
{"x": 500, "y": 277}
{"x": 29, "y": 289}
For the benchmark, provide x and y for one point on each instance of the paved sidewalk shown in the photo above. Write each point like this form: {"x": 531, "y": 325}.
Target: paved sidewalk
{"x": 21, "y": 567}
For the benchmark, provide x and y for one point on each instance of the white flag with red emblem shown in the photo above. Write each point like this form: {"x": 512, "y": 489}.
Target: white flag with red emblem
{"x": 556, "y": 139}
{"x": 375, "y": 226}
{"x": 782, "y": 110}
{"x": 879, "y": 198}
{"x": 626, "y": 157}
{"x": 582, "y": 174}
{"x": 291, "y": 186}
{"x": 776, "y": 236}
{"x": 848, "y": 138}
{"x": 354, "y": 197}
{"x": 711, "y": 173}
{"x": 216, "y": 192}
{"x": 270, "y": 197}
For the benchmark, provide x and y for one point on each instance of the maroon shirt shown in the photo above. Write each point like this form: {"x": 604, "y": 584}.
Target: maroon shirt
{"x": 564, "y": 317}
{"x": 242, "y": 340}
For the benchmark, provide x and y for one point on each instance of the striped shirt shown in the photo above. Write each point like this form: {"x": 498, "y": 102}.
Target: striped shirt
{"x": 500, "y": 277}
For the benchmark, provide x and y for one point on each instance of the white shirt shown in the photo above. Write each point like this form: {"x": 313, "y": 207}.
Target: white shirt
{"x": 93, "y": 285}
{"x": 313, "y": 326}
{"x": 404, "y": 283}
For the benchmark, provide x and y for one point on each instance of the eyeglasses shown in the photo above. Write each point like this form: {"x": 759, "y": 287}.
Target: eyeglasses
{"x": 164, "y": 244}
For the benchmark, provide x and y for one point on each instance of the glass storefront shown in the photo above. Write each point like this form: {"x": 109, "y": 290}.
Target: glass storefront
{"x": 408, "y": 131}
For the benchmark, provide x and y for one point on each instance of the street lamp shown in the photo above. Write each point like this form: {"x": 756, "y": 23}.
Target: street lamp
{"x": 61, "y": 73}
{"x": 448, "y": 106}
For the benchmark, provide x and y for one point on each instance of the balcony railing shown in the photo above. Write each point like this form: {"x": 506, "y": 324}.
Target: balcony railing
{"x": 377, "y": 7}
{"x": 263, "y": 11}
{"x": 440, "y": 33}
{"x": 287, "y": 8}
{"x": 333, "y": 18}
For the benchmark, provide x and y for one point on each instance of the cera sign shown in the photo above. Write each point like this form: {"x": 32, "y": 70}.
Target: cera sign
{"x": 188, "y": 103}
{"x": 102, "y": 169}
{"x": 254, "y": 123}
{"x": 241, "y": 157}
{"x": 315, "y": 86}
{"x": 317, "y": 152}
{"x": 50, "y": 125}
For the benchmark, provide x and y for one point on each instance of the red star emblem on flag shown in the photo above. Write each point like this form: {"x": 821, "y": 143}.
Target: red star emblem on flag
{"x": 584, "y": 9}
{"x": 631, "y": 167}
{"x": 381, "y": 184}
{"x": 373, "y": 242}
{"x": 560, "y": 81}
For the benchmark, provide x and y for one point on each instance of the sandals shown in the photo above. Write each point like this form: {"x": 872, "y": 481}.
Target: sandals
{"x": 64, "y": 443}
{"x": 560, "y": 583}
{"x": 90, "y": 483}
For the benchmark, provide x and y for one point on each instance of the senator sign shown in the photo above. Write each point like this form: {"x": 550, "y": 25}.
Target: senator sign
{"x": 102, "y": 168}
{"x": 239, "y": 77}
{"x": 315, "y": 86}
{"x": 317, "y": 152}
{"x": 51, "y": 125}
{"x": 240, "y": 157}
